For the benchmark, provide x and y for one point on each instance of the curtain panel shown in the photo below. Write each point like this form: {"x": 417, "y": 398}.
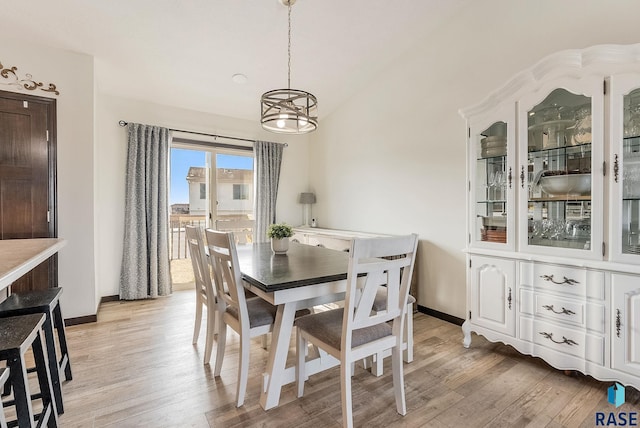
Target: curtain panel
{"x": 145, "y": 260}
{"x": 268, "y": 159}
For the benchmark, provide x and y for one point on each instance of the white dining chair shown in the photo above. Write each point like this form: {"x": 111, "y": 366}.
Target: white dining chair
{"x": 205, "y": 294}
{"x": 249, "y": 317}
{"x": 357, "y": 331}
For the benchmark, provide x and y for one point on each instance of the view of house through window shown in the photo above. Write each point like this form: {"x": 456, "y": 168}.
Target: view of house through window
{"x": 222, "y": 200}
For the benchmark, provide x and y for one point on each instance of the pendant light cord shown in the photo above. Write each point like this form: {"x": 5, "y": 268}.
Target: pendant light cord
{"x": 289, "y": 51}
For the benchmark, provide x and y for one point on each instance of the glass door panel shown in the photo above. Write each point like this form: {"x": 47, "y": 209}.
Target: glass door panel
{"x": 492, "y": 181}
{"x": 558, "y": 171}
{"x": 631, "y": 174}
{"x": 233, "y": 209}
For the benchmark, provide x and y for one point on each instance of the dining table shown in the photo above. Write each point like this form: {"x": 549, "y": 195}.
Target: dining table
{"x": 303, "y": 277}
{"x": 19, "y": 256}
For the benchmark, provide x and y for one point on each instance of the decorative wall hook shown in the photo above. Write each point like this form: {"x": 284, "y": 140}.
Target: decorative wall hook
{"x": 25, "y": 82}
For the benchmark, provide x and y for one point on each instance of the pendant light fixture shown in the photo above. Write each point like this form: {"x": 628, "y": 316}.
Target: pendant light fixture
{"x": 289, "y": 111}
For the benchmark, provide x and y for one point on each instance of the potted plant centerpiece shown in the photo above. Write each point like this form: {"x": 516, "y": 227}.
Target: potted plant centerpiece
{"x": 279, "y": 234}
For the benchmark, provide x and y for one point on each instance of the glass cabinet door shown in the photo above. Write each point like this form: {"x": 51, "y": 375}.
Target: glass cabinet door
{"x": 625, "y": 183}
{"x": 492, "y": 183}
{"x": 557, "y": 175}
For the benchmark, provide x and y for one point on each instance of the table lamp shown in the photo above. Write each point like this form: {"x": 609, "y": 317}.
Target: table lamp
{"x": 306, "y": 198}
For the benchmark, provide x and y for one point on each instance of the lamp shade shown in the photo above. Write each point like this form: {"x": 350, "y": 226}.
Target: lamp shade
{"x": 307, "y": 198}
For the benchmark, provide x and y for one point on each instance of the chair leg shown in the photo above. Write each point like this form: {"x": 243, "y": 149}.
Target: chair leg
{"x": 408, "y": 334}
{"x": 196, "y": 326}
{"x": 19, "y": 381}
{"x": 222, "y": 339}
{"x": 377, "y": 364}
{"x": 301, "y": 351}
{"x": 345, "y": 387}
{"x": 211, "y": 327}
{"x": 243, "y": 369}
{"x": 398, "y": 379}
{"x": 62, "y": 340}
{"x": 54, "y": 370}
{"x": 44, "y": 381}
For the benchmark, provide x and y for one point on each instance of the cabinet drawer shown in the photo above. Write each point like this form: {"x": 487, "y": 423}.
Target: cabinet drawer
{"x": 329, "y": 242}
{"x": 563, "y": 279}
{"x": 566, "y": 340}
{"x": 578, "y": 312}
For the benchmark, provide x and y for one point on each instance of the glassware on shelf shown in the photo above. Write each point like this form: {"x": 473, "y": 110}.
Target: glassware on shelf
{"x": 631, "y": 180}
{"x": 631, "y": 126}
{"x": 582, "y": 127}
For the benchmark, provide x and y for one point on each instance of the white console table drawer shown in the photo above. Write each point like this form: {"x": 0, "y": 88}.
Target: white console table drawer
{"x": 568, "y": 341}
{"x": 577, "y": 312}
{"x": 563, "y": 279}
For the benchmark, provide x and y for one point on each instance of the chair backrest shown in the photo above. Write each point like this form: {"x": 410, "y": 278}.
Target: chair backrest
{"x": 374, "y": 262}
{"x": 226, "y": 271}
{"x": 201, "y": 272}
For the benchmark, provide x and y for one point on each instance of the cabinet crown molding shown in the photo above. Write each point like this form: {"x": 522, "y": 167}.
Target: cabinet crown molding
{"x": 577, "y": 63}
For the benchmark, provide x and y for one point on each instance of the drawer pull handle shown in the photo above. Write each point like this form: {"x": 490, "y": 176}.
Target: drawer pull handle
{"x": 564, "y": 339}
{"x": 522, "y": 176}
{"x": 509, "y": 298}
{"x": 566, "y": 280}
{"x": 616, "y": 168}
{"x": 563, "y": 311}
{"x": 618, "y": 322}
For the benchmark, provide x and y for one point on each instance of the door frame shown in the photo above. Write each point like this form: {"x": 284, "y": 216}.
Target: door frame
{"x": 52, "y": 162}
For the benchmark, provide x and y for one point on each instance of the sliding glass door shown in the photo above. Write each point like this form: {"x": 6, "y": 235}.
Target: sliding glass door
{"x": 209, "y": 187}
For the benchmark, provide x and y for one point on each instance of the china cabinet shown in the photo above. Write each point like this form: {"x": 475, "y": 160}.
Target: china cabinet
{"x": 553, "y": 167}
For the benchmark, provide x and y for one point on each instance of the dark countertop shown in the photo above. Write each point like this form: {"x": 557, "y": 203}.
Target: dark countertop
{"x": 301, "y": 265}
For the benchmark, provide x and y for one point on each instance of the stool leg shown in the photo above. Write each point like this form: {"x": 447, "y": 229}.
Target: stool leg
{"x": 44, "y": 381}
{"x": 62, "y": 339}
{"x": 19, "y": 382}
{"x": 3, "y": 421}
{"x": 54, "y": 370}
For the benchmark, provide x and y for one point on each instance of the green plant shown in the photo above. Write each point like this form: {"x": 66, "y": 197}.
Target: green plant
{"x": 279, "y": 231}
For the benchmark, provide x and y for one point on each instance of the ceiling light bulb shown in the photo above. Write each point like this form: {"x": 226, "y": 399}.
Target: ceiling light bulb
{"x": 280, "y": 123}
{"x": 302, "y": 122}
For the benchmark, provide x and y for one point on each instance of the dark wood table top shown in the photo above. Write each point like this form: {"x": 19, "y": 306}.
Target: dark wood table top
{"x": 301, "y": 265}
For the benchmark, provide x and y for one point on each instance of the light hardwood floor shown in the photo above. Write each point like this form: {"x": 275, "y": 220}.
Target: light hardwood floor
{"x": 136, "y": 367}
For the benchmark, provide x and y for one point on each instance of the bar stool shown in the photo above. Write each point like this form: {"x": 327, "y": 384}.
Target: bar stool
{"x": 4, "y": 376}
{"x": 17, "y": 335}
{"x": 45, "y": 302}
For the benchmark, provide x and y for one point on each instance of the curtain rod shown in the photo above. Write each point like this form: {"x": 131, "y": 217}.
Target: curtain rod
{"x": 124, "y": 123}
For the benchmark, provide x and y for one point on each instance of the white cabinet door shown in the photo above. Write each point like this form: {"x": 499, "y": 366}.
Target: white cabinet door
{"x": 492, "y": 184}
{"x": 624, "y": 161}
{"x": 626, "y": 323}
{"x": 561, "y": 149}
{"x": 493, "y": 294}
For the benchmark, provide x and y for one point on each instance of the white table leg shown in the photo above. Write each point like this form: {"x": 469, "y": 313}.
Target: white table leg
{"x": 278, "y": 355}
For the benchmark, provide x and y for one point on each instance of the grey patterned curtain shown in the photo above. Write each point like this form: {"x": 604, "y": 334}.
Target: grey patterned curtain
{"x": 268, "y": 160}
{"x": 145, "y": 261}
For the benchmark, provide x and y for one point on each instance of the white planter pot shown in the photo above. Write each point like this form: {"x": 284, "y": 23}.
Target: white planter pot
{"x": 280, "y": 246}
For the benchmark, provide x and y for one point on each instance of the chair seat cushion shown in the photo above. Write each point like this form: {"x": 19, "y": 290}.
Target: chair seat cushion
{"x": 260, "y": 311}
{"x": 380, "y": 302}
{"x": 30, "y": 302}
{"x": 327, "y": 326}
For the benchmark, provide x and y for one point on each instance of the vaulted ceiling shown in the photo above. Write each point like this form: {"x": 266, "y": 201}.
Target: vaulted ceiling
{"x": 184, "y": 52}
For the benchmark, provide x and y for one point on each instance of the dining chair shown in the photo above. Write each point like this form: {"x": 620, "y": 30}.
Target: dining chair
{"x": 357, "y": 331}
{"x": 249, "y": 317}
{"x": 205, "y": 294}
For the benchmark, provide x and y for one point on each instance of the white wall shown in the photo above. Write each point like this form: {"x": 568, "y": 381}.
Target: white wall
{"x": 73, "y": 74}
{"x": 392, "y": 158}
{"x": 112, "y": 154}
